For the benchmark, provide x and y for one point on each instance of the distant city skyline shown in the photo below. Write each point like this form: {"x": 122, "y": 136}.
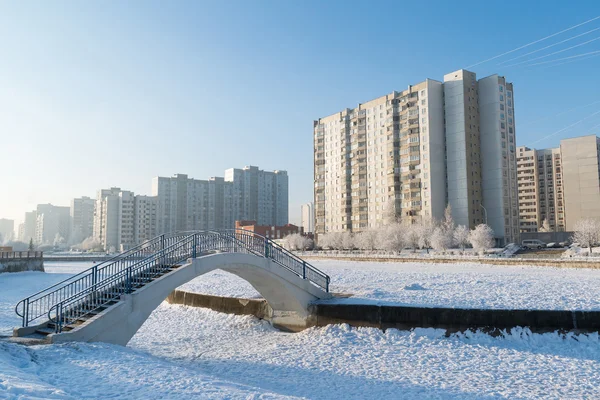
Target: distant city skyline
{"x": 92, "y": 101}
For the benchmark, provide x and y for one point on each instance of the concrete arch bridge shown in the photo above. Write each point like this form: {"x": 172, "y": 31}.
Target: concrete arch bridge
{"x": 110, "y": 301}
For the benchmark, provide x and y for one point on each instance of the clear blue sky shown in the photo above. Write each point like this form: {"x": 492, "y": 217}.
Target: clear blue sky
{"x": 100, "y": 94}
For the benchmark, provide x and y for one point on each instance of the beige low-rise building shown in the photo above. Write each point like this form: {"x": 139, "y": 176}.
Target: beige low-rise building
{"x": 560, "y": 185}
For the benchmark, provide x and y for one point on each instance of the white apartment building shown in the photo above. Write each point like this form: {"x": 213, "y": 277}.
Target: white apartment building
{"x": 581, "y": 178}
{"x": 307, "y": 217}
{"x": 561, "y": 185}
{"x": 7, "y": 229}
{"x": 190, "y": 204}
{"x": 52, "y": 222}
{"x": 410, "y": 153}
{"x": 258, "y": 195}
{"x": 82, "y": 219}
{"x": 145, "y": 214}
{"x": 114, "y": 219}
{"x": 28, "y": 230}
{"x": 541, "y": 194}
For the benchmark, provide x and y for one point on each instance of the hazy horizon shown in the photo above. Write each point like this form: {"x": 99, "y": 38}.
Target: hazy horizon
{"x": 99, "y": 95}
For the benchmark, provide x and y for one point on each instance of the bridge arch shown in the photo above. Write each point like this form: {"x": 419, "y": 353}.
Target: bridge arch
{"x": 111, "y": 301}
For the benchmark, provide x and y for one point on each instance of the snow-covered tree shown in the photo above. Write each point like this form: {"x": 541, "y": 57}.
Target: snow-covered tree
{"x": 59, "y": 241}
{"x": 482, "y": 237}
{"x": 297, "y": 242}
{"x": 347, "y": 241}
{"x": 545, "y": 226}
{"x": 89, "y": 244}
{"x": 366, "y": 240}
{"x": 441, "y": 239}
{"x": 425, "y": 230}
{"x": 461, "y": 236}
{"x": 411, "y": 235}
{"x": 587, "y": 233}
{"x": 391, "y": 237}
{"x": 390, "y": 216}
{"x": 448, "y": 222}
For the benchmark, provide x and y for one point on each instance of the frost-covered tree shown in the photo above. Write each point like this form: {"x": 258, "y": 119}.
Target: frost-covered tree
{"x": 482, "y": 237}
{"x": 448, "y": 222}
{"x": 425, "y": 230}
{"x": 31, "y": 246}
{"x": 347, "y": 240}
{"x": 390, "y": 216}
{"x": 366, "y": 240}
{"x": 441, "y": 239}
{"x": 391, "y": 237}
{"x": 297, "y": 242}
{"x": 59, "y": 241}
{"x": 411, "y": 235}
{"x": 587, "y": 233}
{"x": 461, "y": 236}
{"x": 545, "y": 226}
{"x": 89, "y": 244}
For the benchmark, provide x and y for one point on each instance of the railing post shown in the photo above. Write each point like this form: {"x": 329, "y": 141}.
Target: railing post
{"x": 194, "y": 245}
{"x": 128, "y": 281}
{"x": 266, "y": 248}
{"x": 303, "y": 269}
{"x": 25, "y": 312}
{"x": 94, "y": 274}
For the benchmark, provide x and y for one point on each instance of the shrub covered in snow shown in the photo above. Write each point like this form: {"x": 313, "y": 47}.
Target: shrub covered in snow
{"x": 587, "y": 233}
{"x": 482, "y": 237}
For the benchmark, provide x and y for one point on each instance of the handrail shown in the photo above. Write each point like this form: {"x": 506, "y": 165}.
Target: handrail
{"x": 162, "y": 252}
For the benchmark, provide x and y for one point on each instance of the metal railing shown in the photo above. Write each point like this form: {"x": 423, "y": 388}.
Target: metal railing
{"x": 73, "y": 298}
{"x": 21, "y": 254}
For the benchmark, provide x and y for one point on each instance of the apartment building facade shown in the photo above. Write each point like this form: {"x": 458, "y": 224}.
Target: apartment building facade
{"x": 189, "y": 204}
{"x": 560, "y": 185}
{"x": 307, "y": 217}
{"x": 258, "y": 195}
{"x": 144, "y": 214}
{"x": 82, "y": 219}
{"x": 114, "y": 219}
{"x": 410, "y": 153}
{"x": 52, "y": 222}
{"x": 540, "y": 187}
{"x": 581, "y": 173}
{"x": 383, "y": 157}
{"x": 7, "y": 228}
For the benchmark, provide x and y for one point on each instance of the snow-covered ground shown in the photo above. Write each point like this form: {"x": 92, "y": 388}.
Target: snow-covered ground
{"x": 459, "y": 285}
{"x": 184, "y": 352}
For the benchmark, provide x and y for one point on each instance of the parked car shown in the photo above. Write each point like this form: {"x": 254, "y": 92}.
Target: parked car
{"x": 533, "y": 244}
{"x": 564, "y": 244}
{"x": 554, "y": 245}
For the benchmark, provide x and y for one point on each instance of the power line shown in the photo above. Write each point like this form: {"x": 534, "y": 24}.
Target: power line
{"x": 551, "y": 54}
{"x": 566, "y": 128}
{"x": 564, "y": 58}
{"x": 547, "y": 47}
{"x": 532, "y": 43}
{"x": 570, "y": 61}
{"x": 560, "y": 113}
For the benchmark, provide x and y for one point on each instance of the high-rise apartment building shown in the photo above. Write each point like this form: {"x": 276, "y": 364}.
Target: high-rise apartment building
{"x": 114, "y": 219}
{"x": 307, "y": 217}
{"x": 581, "y": 177}
{"x": 540, "y": 189}
{"x": 145, "y": 214}
{"x": 189, "y": 204}
{"x": 7, "y": 229}
{"x": 560, "y": 185}
{"x": 410, "y": 153}
{"x": 386, "y": 155}
{"x": 52, "y": 222}
{"x": 243, "y": 194}
{"x": 82, "y": 218}
{"x": 27, "y": 232}
{"x": 258, "y": 195}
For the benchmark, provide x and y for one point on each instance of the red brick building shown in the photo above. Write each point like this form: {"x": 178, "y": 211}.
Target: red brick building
{"x": 272, "y": 232}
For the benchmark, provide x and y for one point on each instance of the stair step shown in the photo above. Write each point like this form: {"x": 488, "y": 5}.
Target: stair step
{"x": 45, "y": 331}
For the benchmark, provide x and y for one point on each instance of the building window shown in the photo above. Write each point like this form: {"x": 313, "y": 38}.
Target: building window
{"x": 501, "y": 88}
{"x": 502, "y": 116}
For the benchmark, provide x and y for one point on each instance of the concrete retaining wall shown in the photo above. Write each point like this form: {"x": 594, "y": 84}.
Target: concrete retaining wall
{"x": 229, "y": 305}
{"x": 559, "y": 263}
{"x": 406, "y": 318}
{"x": 27, "y": 264}
{"x": 453, "y": 319}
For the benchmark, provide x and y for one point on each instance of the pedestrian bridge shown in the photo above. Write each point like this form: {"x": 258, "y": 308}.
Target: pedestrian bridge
{"x": 110, "y": 301}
